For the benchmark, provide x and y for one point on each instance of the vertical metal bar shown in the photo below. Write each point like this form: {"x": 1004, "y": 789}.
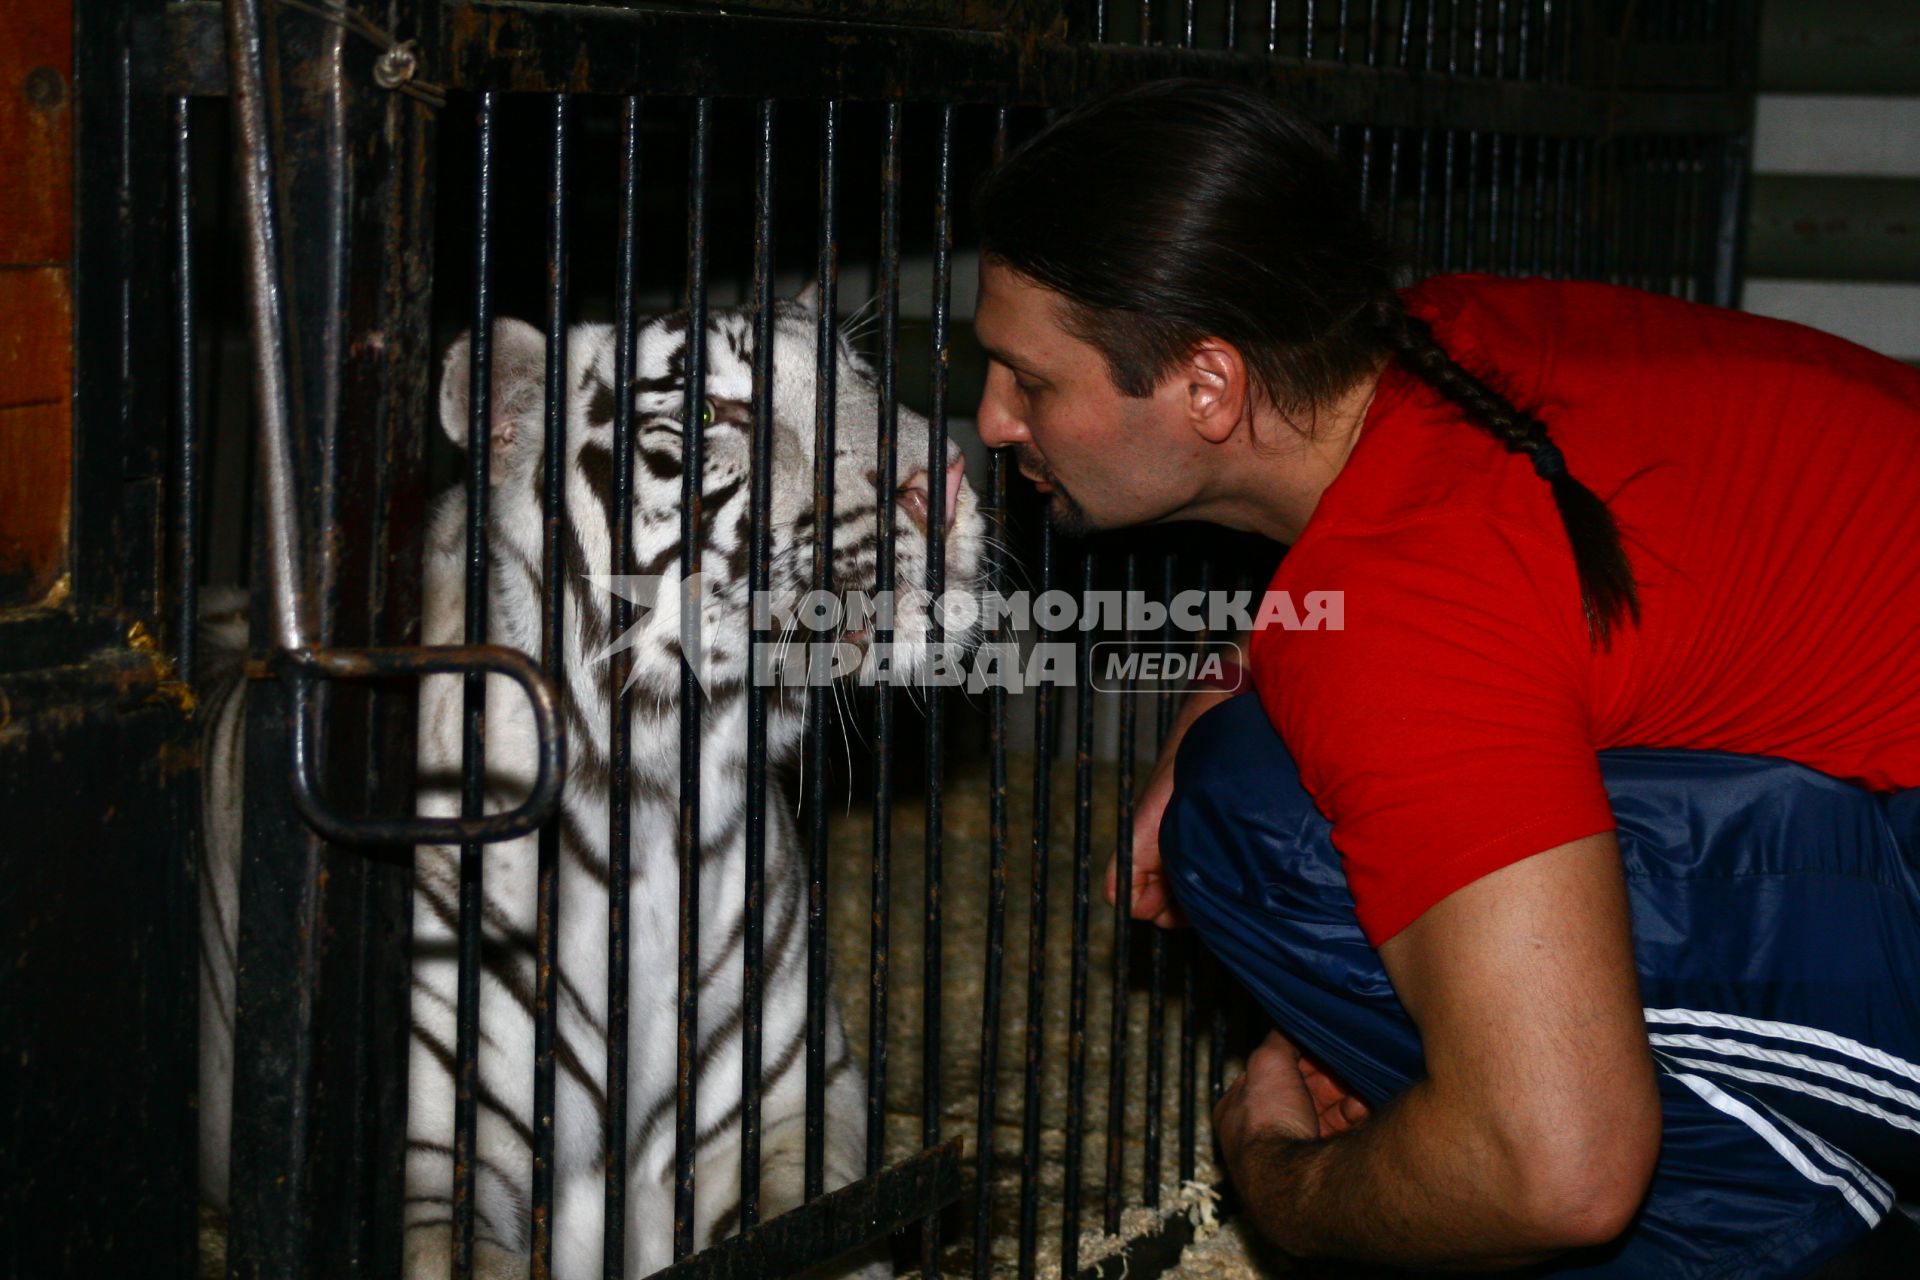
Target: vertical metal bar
{"x": 1157, "y": 949}
{"x": 1366, "y": 132}
{"x": 1186, "y": 26}
{"x": 1625, "y": 210}
{"x": 759, "y": 582}
{"x": 1122, "y": 923}
{"x": 1422, "y": 224}
{"x": 1273, "y": 26}
{"x": 473, "y": 712}
{"x": 553, "y": 580}
{"x": 1196, "y": 955}
{"x": 620, "y": 733}
{"x": 1536, "y": 239}
{"x": 1146, "y": 22}
{"x": 1730, "y": 224}
{"x": 692, "y": 699}
{"x": 937, "y": 515}
{"x": 246, "y": 50}
{"x": 1690, "y": 151}
{"x": 1636, "y": 209}
{"x": 886, "y": 482}
{"x": 1192, "y": 954}
{"x": 1470, "y": 232}
{"x": 1424, "y": 256}
{"x": 1447, "y": 261}
{"x": 186, "y": 458}
{"x": 1037, "y": 942}
{"x": 996, "y": 578}
{"x": 1494, "y": 166}
{"x": 1661, "y": 211}
{"x": 1306, "y": 31}
{"x": 1562, "y": 213}
{"x": 1494, "y": 160}
{"x": 1685, "y": 242}
{"x": 1077, "y": 974}
{"x": 1218, "y": 985}
{"x": 1392, "y": 220}
{"x": 1662, "y": 229}
{"x": 826, "y": 379}
{"x": 1580, "y": 255}
{"x": 1513, "y": 205}
{"x": 1232, "y": 37}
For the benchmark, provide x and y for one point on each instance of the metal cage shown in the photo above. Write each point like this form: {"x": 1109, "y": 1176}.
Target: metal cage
{"x": 412, "y": 168}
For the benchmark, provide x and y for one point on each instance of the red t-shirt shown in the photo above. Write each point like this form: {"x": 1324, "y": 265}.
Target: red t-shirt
{"x": 1766, "y": 479}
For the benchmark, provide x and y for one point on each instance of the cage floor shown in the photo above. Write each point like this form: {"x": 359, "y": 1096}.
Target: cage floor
{"x": 1222, "y": 1249}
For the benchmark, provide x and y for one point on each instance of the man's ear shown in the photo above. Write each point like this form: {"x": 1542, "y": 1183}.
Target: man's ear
{"x": 518, "y": 404}
{"x": 1215, "y": 378}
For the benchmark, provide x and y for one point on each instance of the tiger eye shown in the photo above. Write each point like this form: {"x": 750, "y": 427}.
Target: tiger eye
{"x": 706, "y": 414}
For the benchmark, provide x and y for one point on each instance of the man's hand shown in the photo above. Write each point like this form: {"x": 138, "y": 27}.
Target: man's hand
{"x": 1283, "y": 1093}
{"x": 1334, "y": 1105}
{"x": 1152, "y": 898}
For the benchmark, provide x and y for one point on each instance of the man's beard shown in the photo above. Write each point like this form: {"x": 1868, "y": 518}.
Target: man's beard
{"x": 1067, "y": 516}
{"x": 1063, "y": 513}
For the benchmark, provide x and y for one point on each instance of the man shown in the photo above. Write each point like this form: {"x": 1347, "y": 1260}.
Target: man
{"x": 1189, "y": 318}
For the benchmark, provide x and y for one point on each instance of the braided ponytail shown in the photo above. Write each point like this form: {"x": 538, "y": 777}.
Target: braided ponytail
{"x": 1607, "y": 591}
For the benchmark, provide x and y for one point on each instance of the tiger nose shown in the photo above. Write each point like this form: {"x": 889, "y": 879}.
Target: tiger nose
{"x": 916, "y": 497}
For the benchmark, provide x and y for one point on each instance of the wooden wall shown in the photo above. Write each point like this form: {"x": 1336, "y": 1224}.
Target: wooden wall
{"x": 36, "y": 294}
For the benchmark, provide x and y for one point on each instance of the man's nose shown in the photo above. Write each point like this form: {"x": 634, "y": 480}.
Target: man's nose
{"x": 997, "y": 427}
{"x": 915, "y": 496}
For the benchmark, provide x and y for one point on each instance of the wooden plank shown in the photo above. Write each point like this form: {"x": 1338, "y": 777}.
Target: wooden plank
{"x": 36, "y": 335}
{"x": 36, "y": 131}
{"x": 36, "y": 295}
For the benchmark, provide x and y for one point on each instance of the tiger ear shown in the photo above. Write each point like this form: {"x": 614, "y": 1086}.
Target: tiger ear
{"x": 519, "y": 360}
{"x": 809, "y": 296}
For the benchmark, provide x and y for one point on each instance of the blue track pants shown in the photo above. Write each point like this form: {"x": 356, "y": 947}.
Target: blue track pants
{"x": 1776, "y": 919}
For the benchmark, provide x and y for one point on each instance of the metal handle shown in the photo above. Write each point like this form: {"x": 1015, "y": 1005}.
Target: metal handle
{"x": 294, "y": 659}
{"x": 303, "y": 668}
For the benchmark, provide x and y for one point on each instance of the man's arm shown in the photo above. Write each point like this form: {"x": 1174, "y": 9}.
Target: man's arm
{"x": 1538, "y": 1124}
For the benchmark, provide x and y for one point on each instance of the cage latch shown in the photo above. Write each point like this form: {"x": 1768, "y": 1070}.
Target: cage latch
{"x": 296, "y": 660}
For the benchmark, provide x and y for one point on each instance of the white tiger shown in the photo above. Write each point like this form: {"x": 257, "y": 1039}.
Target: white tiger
{"x": 503, "y": 1227}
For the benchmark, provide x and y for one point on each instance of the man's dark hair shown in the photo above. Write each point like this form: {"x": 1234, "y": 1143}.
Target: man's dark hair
{"x": 1181, "y": 209}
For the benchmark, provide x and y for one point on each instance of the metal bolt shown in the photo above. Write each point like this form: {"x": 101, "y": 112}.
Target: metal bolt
{"x": 46, "y": 88}
{"x": 396, "y": 66}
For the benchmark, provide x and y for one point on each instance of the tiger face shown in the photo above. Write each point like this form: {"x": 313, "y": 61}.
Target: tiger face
{"x": 854, "y": 640}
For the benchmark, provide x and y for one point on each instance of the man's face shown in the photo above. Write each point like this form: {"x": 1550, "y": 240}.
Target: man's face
{"x": 1105, "y": 458}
